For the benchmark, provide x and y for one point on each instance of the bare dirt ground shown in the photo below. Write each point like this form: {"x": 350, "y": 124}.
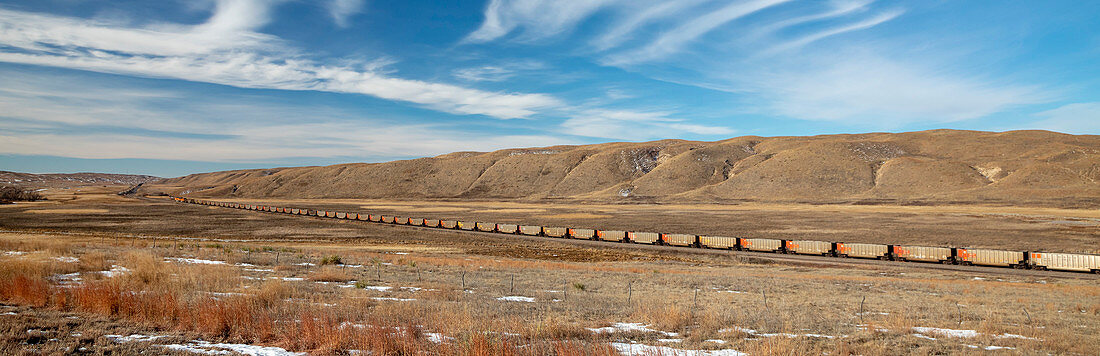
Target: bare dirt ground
{"x": 1014, "y": 228}
{"x": 403, "y": 290}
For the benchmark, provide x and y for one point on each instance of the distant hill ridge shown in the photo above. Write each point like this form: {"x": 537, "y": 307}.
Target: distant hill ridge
{"x": 70, "y": 179}
{"x": 927, "y": 166}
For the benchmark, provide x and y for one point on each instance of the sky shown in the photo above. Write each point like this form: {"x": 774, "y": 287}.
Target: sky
{"x": 175, "y": 87}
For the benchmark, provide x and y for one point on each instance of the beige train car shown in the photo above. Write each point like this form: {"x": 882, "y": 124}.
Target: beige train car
{"x": 766, "y": 245}
{"x": 531, "y": 230}
{"x": 508, "y": 228}
{"x": 984, "y": 257}
{"x": 341, "y": 215}
{"x": 375, "y": 218}
{"x": 330, "y": 214}
{"x": 467, "y": 225}
{"x": 1065, "y": 262}
{"x": 295, "y": 211}
{"x": 583, "y": 234}
{"x": 364, "y": 217}
{"x": 611, "y": 235}
{"x": 386, "y": 219}
{"x": 679, "y": 239}
{"x": 643, "y": 237}
{"x": 353, "y": 216}
{"x": 555, "y": 231}
{"x": 400, "y": 220}
{"x": 486, "y": 227}
{"x": 809, "y": 247}
{"x": 431, "y": 222}
{"x": 448, "y": 224}
{"x": 860, "y": 250}
{"x": 718, "y": 242}
{"x": 416, "y": 221}
{"x": 923, "y": 254}
{"x": 320, "y": 213}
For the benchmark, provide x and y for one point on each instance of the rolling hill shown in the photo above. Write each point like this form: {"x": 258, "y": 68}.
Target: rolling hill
{"x": 939, "y": 166}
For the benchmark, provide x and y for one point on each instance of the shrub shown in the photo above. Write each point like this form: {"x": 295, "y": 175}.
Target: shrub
{"x": 9, "y": 193}
{"x": 331, "y": 260}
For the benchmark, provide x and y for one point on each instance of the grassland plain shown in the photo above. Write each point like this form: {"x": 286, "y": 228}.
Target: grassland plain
{"x": 190, "y": 276}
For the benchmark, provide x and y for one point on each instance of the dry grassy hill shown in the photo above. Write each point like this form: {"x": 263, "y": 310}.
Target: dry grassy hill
{"x": 940, "y": 166}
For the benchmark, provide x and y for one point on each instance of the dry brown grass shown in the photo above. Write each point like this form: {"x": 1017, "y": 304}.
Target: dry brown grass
{"x": 330, "y": 274}
{"x": 800, "y": 300}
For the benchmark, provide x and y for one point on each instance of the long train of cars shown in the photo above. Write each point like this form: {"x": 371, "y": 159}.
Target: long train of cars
{"x": 946, "y": 255}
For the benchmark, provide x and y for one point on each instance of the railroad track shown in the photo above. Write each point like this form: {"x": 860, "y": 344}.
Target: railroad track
{"x": 780, "y": 257}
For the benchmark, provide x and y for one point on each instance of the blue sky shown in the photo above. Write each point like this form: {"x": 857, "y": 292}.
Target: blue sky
{"x": 176, "y": 87}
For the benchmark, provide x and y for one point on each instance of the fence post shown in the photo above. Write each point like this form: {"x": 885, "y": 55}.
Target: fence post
{"x": 959, "y": 310}
{"x": 629, "y": 291}
{"x": 861, "y": 310}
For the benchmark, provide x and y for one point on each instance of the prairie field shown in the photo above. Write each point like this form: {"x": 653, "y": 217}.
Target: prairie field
{"x": 111, "y": 274}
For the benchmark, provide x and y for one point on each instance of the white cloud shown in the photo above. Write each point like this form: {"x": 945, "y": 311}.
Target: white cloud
{"x": 1078, "y": 118}
{"x": 639, "y": 17}
{"x": 225, "y": 50}
{"x": 498, "y": 72}
{"x": 342, "y": 10}
{"x": 870, "y": 90}
{"x": 80, "y": 118}
{"x": 673, "y": 41}
{"x": 817, "y": 36}
{"x": 836, "y": 8}
{"x": 230, "y": 28}
{"x": 634, "y": 125}
{"x": 539, "y": 18}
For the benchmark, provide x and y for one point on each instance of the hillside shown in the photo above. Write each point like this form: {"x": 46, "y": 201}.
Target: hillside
{"x": 1018, "y": 167}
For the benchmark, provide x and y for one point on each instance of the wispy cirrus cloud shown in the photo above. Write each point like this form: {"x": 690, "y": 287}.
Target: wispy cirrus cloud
{"x": 227, "y": 50}
{"x": 1081, "y": 118}
{"x": 497, "y": 72}
{"x": 674, "y": 40}
{"x": 343, "y": 10}
{"x": 60, "y": 116}
{"x": 833, "y": 31}
{"x": 790, "y": 58}
{"x": 538, "y": 19}
{"x": 634, "y": 125}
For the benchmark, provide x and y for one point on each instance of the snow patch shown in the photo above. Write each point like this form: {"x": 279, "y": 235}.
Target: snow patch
{"x": 628, "y": 327}
{"x": 516, "y": 298}
{"x": 640, "y": 349}
{"x": 67, "y": 259}
{"x": 195, "y": 261}
{"x": 114, "y": 271}
{"x": 134, "y": 338}
{"x": 209, "y": 348}
{"x": 394, "y": 299}
{"x": 438, "y": 338}
{"x": 946, "y": 332}
{"x": 379, "y": 288}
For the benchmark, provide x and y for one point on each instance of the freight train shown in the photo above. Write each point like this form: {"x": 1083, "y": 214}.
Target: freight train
{"x": 910, "y": 253}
